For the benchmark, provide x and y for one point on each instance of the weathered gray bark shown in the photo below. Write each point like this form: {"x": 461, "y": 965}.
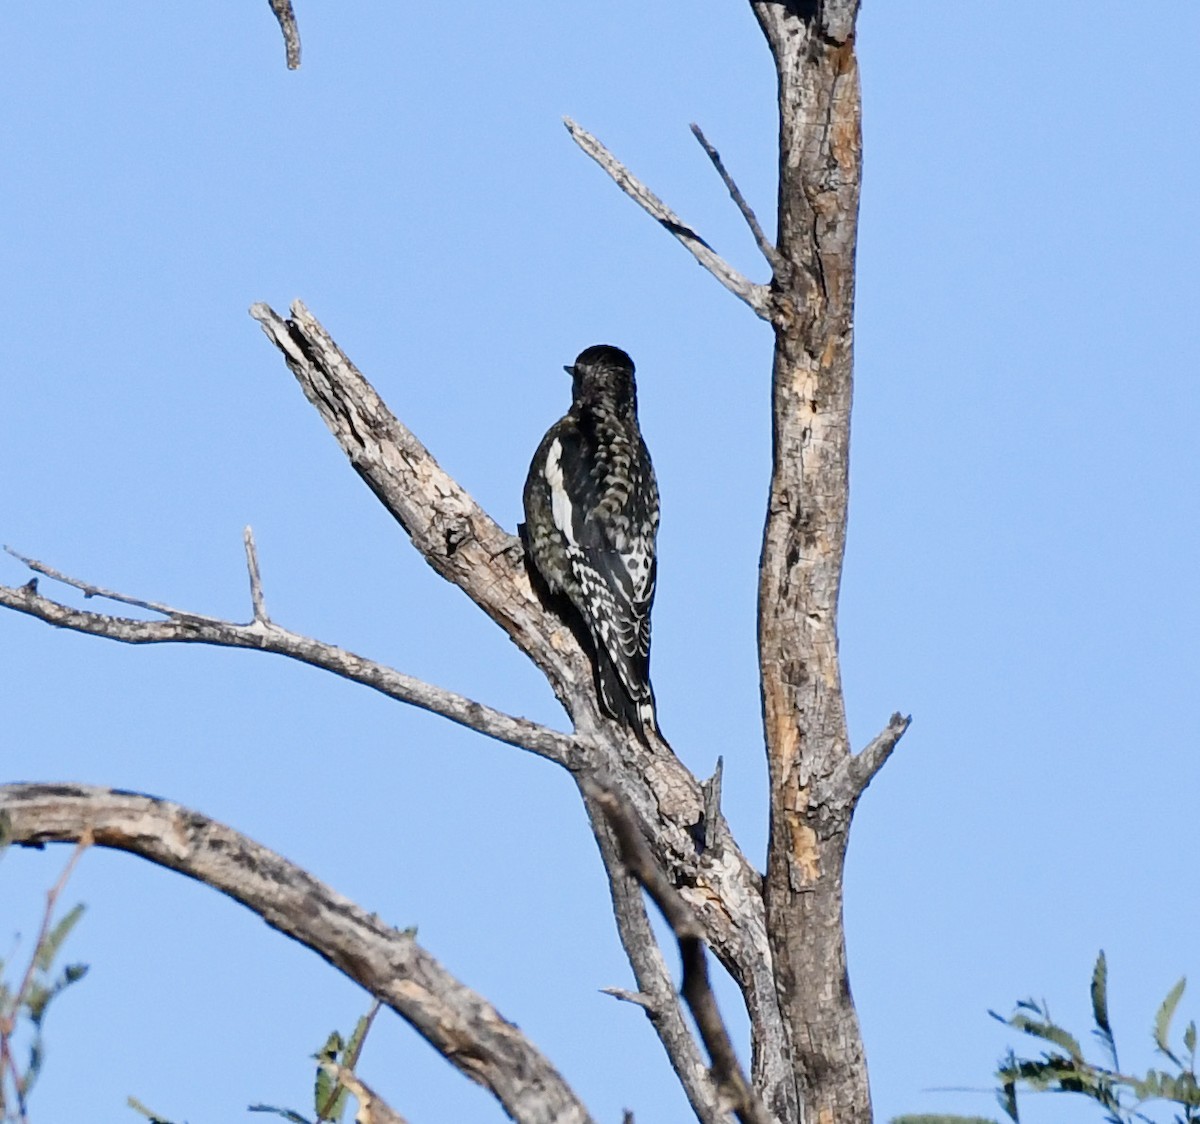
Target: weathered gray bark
{"x": 813, "y": 791}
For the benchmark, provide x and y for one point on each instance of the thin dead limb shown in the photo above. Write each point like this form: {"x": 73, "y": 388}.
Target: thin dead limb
{"x": 758, "y": 297}
{"x": 291, "y": 32}
{"x": 185, "y": 627}
{"x": 774, "y": 259}
{"x": 696, "y": 990}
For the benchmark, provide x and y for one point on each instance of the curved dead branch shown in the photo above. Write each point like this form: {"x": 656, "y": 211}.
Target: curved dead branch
{"x": 456, "y": 1021}
{"x": 291, "y": 33}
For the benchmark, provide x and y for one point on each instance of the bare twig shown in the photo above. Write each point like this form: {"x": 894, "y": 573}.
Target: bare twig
{"x": 256, "y": 593}
{"x": 184, "y": 627}
{"x": 873, "y": 757}
{"x": 696, "y": 990}
{"x": 52, "y": 896}
{"x": 850, "y": 779}
{"x": 637, "y": 998}
{"x": 458, "y": 1022}
{"x": 89, "y": 591}
{"x": 712, "y": 805}
{"x": 291, "y": 33}
{"x": 756, "y": 296}
{"x": 774, "y": 257}
{"x": 656, "y": 993}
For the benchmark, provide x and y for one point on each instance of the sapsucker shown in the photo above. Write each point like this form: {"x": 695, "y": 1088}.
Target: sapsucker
{"x": 591, "y": 518}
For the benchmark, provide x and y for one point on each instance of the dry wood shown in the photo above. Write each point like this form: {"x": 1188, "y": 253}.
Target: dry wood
{"x": 727, "y": 1073}
{"x": 756, "y": 296}
{"x": 291, "y": 33}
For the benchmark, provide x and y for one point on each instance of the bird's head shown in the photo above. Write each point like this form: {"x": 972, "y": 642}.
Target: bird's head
{"x": 603, "y": 371}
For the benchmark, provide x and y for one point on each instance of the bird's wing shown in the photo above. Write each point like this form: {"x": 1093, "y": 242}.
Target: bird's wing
{"x": 609, "y": 534}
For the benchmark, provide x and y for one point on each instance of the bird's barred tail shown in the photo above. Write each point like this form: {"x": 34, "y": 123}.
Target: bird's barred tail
{"x": 632, "y": 708}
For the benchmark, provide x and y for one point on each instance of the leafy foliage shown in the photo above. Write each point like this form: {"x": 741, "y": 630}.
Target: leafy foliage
{"x": 23, "y": 1008}
{"x": 1062, "y": 1067}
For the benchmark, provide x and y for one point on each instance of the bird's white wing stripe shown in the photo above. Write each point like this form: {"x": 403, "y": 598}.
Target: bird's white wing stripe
{"x": 560, "y": 501}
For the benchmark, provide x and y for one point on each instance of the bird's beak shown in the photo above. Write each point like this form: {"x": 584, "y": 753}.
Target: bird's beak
{"x": 570, "y": 369}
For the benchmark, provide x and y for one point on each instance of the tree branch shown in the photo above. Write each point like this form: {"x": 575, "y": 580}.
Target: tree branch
{"x": 656, "y": 993}
{"x": 839, "y": 793}
{"x": 800, "y": 573}
{"x": 758, "y": 297}
{"x": 696, "y": 990}
{"x": 458, "y": 1022}
{"x": 774, "y": 258}
{"x": 256, "y": 593}
{"x": 184, "y": 627}
{"x": 864, "y": 765}
{"x": 291, "y": 33}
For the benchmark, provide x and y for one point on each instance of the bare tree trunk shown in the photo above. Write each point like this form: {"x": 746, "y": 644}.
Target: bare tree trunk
{"x": 803, "y": 546}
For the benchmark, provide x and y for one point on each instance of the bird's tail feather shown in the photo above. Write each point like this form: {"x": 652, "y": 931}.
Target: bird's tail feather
{"x": 636, "y": 711}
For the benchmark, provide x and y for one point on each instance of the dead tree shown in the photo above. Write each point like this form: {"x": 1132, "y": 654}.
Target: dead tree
{"x": 780, "y": 935}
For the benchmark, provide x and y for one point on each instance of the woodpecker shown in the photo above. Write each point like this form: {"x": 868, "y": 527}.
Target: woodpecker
{"x": 591, "y": 518}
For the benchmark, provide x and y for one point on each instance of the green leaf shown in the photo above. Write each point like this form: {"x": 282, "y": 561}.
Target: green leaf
{"x": 1162, "y": 1021}
{"x": 1189, "y": 1038}
{"x": 355, "y": 1045}
{"x": 1049, "y": 1032}
{"x": 39, "y": 996}
{"x": 1103, "y": 1029}
{"x": 49, "y": 947}
{"x": 286, "y": 1113}
{"x": 36, "y": 999}
{"x": 327, "y": 1093}
{"x": 37, "y": 1055}
{"x": 72, "y": 973}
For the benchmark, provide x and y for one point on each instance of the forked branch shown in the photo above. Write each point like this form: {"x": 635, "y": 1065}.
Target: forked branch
{"x": 185, "y": 627}
{"x": 758, "y": 297}
{"x": 727, "y": 1073}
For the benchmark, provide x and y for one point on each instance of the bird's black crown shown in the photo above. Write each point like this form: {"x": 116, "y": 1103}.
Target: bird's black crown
{"x": 604, "y": 355}
{"x": 603, "y": 373}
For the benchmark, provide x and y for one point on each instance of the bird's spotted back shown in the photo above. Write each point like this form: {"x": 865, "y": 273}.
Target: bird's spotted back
{"x": 591, "y": 509}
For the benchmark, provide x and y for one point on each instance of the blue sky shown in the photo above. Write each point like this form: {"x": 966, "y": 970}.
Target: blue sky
{"x": 1023, "y": 546}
